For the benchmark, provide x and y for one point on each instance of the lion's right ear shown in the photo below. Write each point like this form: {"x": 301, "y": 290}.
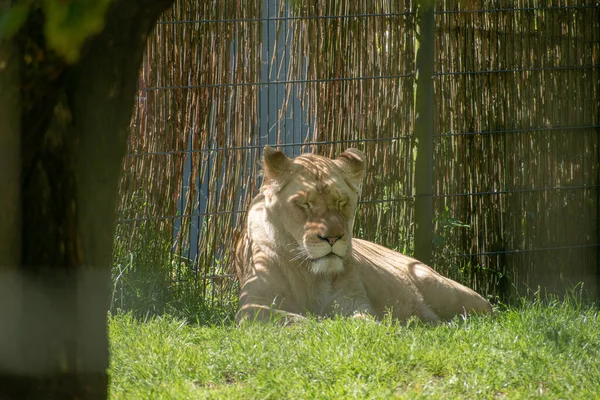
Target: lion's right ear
{"x": 275, "y": 163}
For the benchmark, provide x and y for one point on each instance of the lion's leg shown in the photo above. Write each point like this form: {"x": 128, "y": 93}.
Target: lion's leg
{"x": 348, "y": 307}
{"x": 260, "y": 313}
{"x": 426, "y": 314}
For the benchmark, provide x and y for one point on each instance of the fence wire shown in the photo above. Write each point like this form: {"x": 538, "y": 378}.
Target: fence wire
{"x": 517, "y": 182}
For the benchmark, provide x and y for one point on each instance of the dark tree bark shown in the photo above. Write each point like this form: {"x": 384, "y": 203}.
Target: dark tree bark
{"x": 63, "y": 133}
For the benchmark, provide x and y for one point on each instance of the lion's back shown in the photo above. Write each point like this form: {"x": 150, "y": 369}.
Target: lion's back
{"x": 409, "y": 286}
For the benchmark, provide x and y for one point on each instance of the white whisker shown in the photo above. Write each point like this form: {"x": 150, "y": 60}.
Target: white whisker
{"x": 302, "y": 254}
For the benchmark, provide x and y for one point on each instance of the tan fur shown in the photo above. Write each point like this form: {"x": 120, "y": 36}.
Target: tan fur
{"x": 298, "y": 256}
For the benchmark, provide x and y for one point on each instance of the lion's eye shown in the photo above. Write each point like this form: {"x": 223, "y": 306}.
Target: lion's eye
{"x": 341, "y": 204}
{"x": 304, "y": 205}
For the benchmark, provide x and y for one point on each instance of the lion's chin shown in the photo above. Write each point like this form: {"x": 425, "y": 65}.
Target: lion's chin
{"x": 329, "y": 264}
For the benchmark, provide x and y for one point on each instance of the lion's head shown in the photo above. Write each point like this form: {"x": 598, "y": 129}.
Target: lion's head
{"x": 312, "y": 200}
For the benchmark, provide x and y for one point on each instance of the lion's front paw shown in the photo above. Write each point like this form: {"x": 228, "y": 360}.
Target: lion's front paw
{"x": 363, "y": 315}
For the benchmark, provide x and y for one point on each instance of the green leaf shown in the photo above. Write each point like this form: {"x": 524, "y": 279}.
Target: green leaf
{"x": 13, "y": 19}
{"x": 70, "y": 22}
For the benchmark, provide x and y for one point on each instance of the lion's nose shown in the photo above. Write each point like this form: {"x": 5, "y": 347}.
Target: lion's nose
{"x": 330, "y": 239}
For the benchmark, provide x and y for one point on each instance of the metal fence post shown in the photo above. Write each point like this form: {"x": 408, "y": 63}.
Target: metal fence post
{"x": 423, "y": 134}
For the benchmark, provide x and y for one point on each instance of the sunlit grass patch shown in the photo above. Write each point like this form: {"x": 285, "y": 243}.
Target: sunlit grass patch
{"x": 546, "y": 348}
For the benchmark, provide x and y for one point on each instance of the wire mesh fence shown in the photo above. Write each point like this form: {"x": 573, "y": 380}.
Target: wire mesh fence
{"x": 516, "y": 137}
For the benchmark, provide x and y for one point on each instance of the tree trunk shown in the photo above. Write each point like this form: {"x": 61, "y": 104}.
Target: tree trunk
{"x": 56, "y": 226}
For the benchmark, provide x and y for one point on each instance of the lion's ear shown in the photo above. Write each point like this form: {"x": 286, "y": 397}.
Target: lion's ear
{"x": 275, "y": 163}
{"x": 353, "y": 163}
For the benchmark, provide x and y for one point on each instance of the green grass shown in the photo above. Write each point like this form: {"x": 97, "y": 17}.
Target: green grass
{"x": 541, "y": 349}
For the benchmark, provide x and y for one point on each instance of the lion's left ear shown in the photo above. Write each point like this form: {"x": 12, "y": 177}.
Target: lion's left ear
{"x": 353, "y": 163}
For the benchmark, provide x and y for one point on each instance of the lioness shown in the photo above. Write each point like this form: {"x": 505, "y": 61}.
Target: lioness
{"x": 298, "y": 256}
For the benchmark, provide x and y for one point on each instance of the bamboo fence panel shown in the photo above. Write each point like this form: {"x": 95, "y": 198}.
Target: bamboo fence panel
{"x": 518, "y": 133}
